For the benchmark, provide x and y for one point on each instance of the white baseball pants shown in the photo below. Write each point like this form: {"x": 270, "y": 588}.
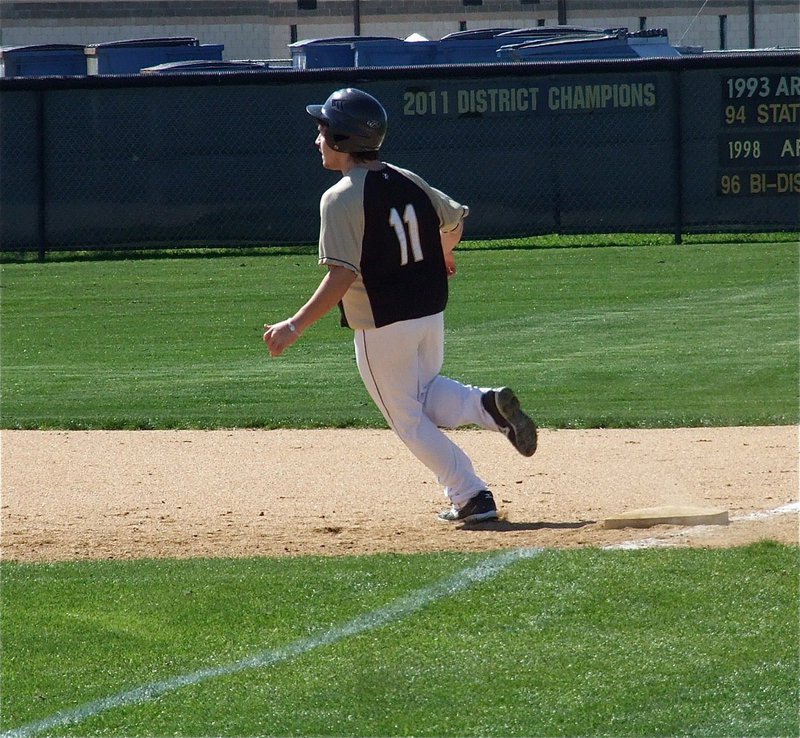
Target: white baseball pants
{"x": 400, "y": 365}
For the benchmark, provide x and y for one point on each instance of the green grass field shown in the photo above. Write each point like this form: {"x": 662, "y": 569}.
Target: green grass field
{"x": 649, "y": 337}
{"x": 600, "y": 643}
{"x": 665, "y": 642}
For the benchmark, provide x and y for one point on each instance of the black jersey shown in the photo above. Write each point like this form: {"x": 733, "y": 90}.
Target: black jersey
{"x": 385, "y": 225}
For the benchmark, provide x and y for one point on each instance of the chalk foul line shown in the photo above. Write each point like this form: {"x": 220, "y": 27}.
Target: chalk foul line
{"x": 394, "y": 611}
{"x": 791, "y": 507}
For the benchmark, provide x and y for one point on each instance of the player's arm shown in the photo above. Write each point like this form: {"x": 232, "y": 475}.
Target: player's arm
{"x": 451, "y": 239}
{"x": 327, "y": 296}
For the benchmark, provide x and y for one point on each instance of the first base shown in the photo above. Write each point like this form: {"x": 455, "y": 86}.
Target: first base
{"x": 668, "y": 515}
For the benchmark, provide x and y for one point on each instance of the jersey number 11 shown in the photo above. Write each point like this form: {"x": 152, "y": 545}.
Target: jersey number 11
{"x": 406, "y": 229}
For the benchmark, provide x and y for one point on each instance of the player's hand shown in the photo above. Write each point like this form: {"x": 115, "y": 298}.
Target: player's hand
{"x": 280, "y": 336}
{"x": 450, "y": 264}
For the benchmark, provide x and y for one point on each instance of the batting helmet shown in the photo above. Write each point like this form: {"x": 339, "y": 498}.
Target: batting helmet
{"x": 356, "y": 121}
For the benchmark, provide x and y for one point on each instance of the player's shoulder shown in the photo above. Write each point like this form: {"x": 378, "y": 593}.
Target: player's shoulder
{"x": 418, "y": 182}
{"x": 433, "y": 193}
{"x": 407, "y": 173}
{"x": 347, "y": 189}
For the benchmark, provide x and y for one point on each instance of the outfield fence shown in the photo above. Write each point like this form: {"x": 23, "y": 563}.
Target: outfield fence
{"x": 691, "y": 144}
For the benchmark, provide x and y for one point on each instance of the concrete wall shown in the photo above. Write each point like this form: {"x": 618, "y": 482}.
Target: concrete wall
{"x": 256, "y": 29}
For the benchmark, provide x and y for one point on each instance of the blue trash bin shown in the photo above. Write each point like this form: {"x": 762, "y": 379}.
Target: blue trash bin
{"x": 132, "y": 55}
{"x": 653, "y": 42}
{"x": 482, "y": 45}
{"x": 599, "y": 45}
{"x": 565, "y": 42}
{"x": 470, "y": 47}
{"x": 394, "y": 53}
{"x": 325, "y": 53}
{"x": 43, "y": 60}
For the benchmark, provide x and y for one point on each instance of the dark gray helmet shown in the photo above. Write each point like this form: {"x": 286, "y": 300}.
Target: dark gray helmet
{"x": 356, "y": 121}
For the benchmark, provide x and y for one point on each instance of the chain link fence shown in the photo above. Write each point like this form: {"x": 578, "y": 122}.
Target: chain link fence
{"x": 694, "y": 144}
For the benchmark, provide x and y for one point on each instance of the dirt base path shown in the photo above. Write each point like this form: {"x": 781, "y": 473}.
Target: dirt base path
{"x": 119, "y": 494}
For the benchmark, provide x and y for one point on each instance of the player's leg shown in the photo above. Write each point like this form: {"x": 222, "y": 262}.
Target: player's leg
{"x": 447, "y": 402}
{"x": 450, "y": 404}
{"x": 389, "y": 363}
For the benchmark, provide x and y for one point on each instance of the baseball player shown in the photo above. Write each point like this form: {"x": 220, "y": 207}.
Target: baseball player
{"x": 387, "y": 239}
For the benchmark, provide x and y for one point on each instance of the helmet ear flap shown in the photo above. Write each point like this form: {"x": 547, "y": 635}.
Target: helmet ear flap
{"x": 336, "y": 139}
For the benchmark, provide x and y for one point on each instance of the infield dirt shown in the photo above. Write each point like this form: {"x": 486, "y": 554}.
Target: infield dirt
{"x": 129, "y": 494}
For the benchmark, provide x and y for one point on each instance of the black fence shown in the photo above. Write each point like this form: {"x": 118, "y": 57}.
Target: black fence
{"x": 705, "y": 143}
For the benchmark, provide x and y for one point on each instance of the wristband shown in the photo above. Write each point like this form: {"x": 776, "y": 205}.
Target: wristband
{"x": 292, "y": 327}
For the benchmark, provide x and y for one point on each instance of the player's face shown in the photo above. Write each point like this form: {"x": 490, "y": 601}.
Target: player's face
{"x": 331, "y": 159}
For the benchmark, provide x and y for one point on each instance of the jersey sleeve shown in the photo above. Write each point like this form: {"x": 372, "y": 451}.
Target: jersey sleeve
{"x": 450, "y": 212}
{"x": 342, "y": 225}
